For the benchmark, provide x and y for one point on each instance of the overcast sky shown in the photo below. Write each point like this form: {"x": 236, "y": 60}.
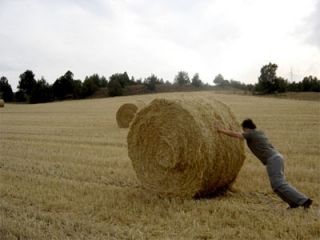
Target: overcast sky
{"x": 234, "y": 38}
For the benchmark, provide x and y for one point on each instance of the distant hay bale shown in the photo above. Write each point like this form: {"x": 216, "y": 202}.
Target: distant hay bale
{"x": 176, "y": 151}
{"x": 1, "y": 103}
{"x": 126, "y": 113}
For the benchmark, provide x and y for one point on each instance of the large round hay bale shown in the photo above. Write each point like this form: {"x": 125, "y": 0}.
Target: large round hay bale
{"x": 1, "y": 103}
{"x": 126, "y": 113}
{"x": 176, "y": 151}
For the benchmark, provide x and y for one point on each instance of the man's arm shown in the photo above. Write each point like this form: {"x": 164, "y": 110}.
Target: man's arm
{"x": 229, "y": 132}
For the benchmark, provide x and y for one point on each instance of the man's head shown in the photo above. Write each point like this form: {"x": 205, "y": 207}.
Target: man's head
{"x": 248, "y": 124}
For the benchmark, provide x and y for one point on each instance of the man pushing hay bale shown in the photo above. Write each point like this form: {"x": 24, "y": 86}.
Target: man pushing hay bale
{"x": 126, "y": 113}
{"x": 176, "y": 150}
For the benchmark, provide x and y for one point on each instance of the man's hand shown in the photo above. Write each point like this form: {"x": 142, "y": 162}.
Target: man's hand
{"x": 218, "y": 126}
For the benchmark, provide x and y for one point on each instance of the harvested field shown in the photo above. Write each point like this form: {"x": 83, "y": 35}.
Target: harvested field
{"x": 65, "y": 174}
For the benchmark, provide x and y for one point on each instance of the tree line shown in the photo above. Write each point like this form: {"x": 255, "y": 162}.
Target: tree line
{"x": 66, "y": 87}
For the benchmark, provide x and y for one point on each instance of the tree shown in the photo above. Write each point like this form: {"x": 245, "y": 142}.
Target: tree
{"x": 310, "y": 84}
{"x": 151, "y": 82}
{"x": 281, "y": 85}
{"x": 27, "y": 82}
{"x": 20, "y": 96}
{"x": 114, "y": 86}
{"x": 77, "y": 89}
{"x": 64, "y": 86}
{"x": 103, "y": 82}
{"x": 218, "y": 80}
{"x": 6, "y": 92}
{"x": 125, "y": 80}
{"x": 89, "y": 86}
{"x": 225, "y": 83}
{"x": 182, "y": 78}
{"x": 268, "y": 82}
{"x": 42, "y": 92}
{"x": 139, "y": 81}
{"x": 196, "y": 81}
{"x": 237, "y": 85}
{"x": 293, "y": 87}
{"x": 100, "y": 82}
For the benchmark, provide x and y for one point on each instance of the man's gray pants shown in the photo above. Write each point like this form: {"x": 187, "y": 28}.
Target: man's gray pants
{"x": 286, "y": 192}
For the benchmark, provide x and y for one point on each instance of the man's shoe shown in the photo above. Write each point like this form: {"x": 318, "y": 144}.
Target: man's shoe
{"x": 307, "y": 204}
{"x": 292, "y": 206}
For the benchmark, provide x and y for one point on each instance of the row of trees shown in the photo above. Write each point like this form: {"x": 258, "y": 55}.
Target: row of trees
{"x": 40, "y": 91}
{"x": 269, "y": 83}
{"x": 66, "y": 87}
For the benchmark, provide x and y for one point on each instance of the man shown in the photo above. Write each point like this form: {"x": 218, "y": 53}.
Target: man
{"x": 260, "y": 146}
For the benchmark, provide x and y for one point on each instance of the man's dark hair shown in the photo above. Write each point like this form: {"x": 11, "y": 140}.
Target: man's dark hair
{"x": 248, "y": 123}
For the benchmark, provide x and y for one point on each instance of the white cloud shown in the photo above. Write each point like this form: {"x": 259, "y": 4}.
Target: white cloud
{"x": 234, "y": 38}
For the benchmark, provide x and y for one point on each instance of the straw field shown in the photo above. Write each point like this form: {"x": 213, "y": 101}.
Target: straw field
{"x": 65, "y": 173}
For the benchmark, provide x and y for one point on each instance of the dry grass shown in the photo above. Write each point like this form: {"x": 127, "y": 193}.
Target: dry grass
{"x": 65, "y": 174}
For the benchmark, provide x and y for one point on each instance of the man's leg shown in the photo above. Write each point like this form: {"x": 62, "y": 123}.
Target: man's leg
{"x": 279, "y": 184}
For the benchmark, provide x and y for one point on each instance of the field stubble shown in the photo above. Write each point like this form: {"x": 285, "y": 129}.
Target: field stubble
{"x": 65, "y": 174}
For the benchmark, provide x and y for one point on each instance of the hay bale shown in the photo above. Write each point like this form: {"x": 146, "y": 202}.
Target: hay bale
{"x": 176, "y": 151}
{"x": 1, "y": 103}
{"x": 126, "y": 113}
